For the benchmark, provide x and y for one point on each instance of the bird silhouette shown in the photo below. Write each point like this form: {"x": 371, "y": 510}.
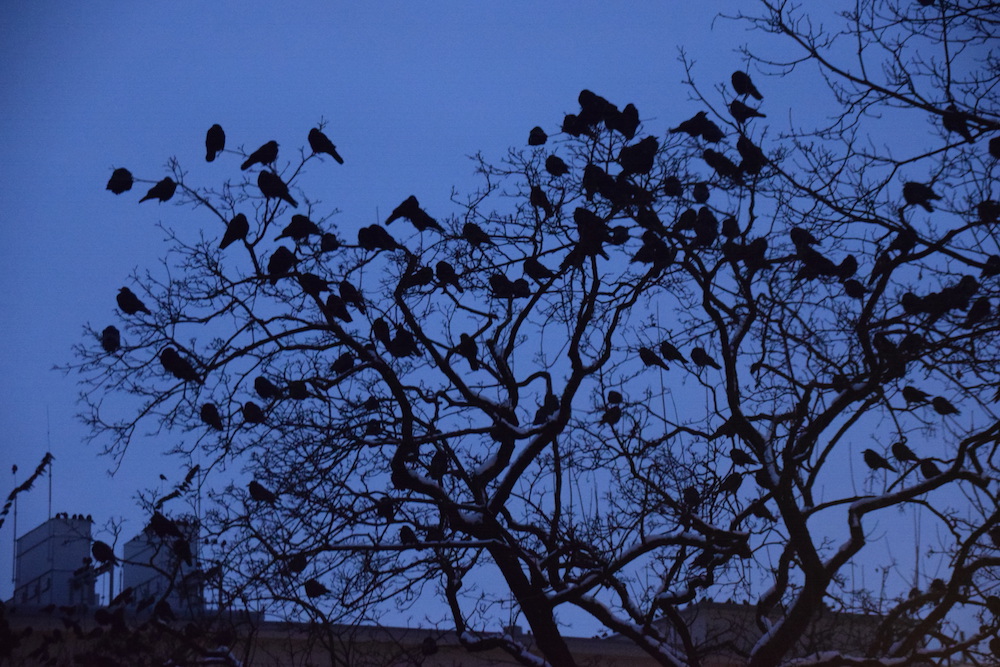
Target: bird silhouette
{"x": 103, "y": 552}
{"x": 854, "y": 289}
{"x": 742, "y": 113}
{"x": 182, "y": 549}
{"x": 475, "y": 235}
{"x": 407, "y": 536}
{"x": 236, "y": 230}
{"x": 754, "y": 159}
{"x": 539, "y": 199}
{"x": 929, "y": 469}
{"x": 312, "y": 284}
{"x": 280, "y": 264}
{"x": 672, "y": 187}
{"x": 335, "y": 307}
{"x": 919, "y": 194}
{"x": 178, "y": 366}
{"x": 446, "y": 275}
{"x": 272, "y": 187}
{"x": 650, "y": 358}
{"x": 120, "y": 181}
{"x": 556, "y": 166}
{"x": 956, "y": 121}
{"x": 740, "y": 457}
{"x": 537, "y": 136}
{"x": 670, "y": 353}
{"x": 416, "y": 277}
{"x": 111, "y": 339}
{"x": 328, "y": 242}
{"x": 943, "y": 406}
{"x": 266, "y": 389}
{"x": 536, "y": 270}
{"x": 215, "y": 142}
{"x": 614, "y": 397}
{"x": 902, "y": 453}
{"x": 210, "y": 415}
{"x": 979, "y": 311}
{"x": 994, "y": 148}
{"x": 701, "y": 358}
{"x": 410, "y": 209}
{"x": 375, "y": 237}
{"x": 352, "y": 295}
{"x": 314, "y": 589}
{"x": 381, "y": 331}
{"x": 438, "y": 466}
{"x": 343, "y": 363}
{"x": 638, "y": 158}
{"x": 299, "y": 229}
{"x": 130, "y": 303}
{"x": 298, "y": 390}
{"x": 266, "y": 154}
{"x": 913, "y": 395}
{"x": 732, "y": 483}
{"x": 260, "y": 493}
{"x": 699, "y": 125}
{"x": 163, "y": 190}
{"x": 626, "y": 122}
{"x": 722, "y": 165}
{"x": 320, "y": 143}
{"x": 467, "y": 348}
{"x": 743, "y": 85}
{"x": 700, "y": 192}
{"x": 164, "y": 527}
{"x": 612, "y": 415}
{"x": 252, "y": 413}
{"x": 874, "y": 460}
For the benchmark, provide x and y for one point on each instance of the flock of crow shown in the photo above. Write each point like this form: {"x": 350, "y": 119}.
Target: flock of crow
{"x": 694, "y": 228}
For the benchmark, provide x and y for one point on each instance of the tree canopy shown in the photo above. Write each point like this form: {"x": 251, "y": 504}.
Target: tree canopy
{"x": 642, "y": 365}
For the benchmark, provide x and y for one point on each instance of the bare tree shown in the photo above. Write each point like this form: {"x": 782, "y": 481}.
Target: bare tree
{"x": 640, "y": 366}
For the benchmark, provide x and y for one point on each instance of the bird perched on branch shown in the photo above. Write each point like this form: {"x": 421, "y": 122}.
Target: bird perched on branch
{"x": 272, "y": 187}
{"x": 163, "y": 190}
{"x": 874, "y": 460}
{"x": 743, "y": 85}
{"x": 650, "y": 358}
{"x": 556, "y": 166}
{"x": 956, "y": 121}
{"x": 260, "y": 493}
{"x": 120, "y": 181}
{"x": 315, "y": 589}
{"x": 902, "y": 452}
{"x": 410, "y": 209}
{"x": 742, "y": 113}
{"x": 111, "y": 339}
{"x": 299, "y": 229}
{"x": 919, "y": 194}
{"x": 320, "y": 143}
{"x": 266, "y": 154}
{"x": 701, "y": 358}
{"x": 210, "y": 415}
{"x": 537, "y": 136}
{"x": 236, "y": 230}
{"x": 280, "y": 264}
{"x": 130, "y": 303}
{"x": 215, "y": 142}
{"x": 178, "y": 366}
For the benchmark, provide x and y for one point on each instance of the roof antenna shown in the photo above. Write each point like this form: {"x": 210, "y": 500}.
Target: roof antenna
{"x": 48, "y": 448}
{"x": 13, "y": 566}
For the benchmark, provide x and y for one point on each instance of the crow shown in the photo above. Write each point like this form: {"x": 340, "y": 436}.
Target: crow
{"x": 742, "y": 113}
{"x": 312, "y": 284}
{"x": 539, "y": 199}
{"x": 407, "y": 536}
{"x": 744, "y": 86}
{"x": 626, "y": 121}
{"x": 280, "y": 264}
{"x": 266, "y": 389}
{"x": 418, "y": 278}
{"x": 164, "y": 527}
{"x": 874, "y": 460}
{"x": 210, "y": 415}
{"x": 537, "y": 136}
{"x": 266, "y": 154}
{"x": 955, "y": 121}
{"x": 913, "y": 395}
{"x": 754, "y": 159}
{"x": 740, "y": 457}
{"x": 650, "y": 358}
{"x": 671, "y": 353}
{"x": 929, "y": 469}
{"x": 475, "y": 235}
{"x": 638, "y": 159}
{"x": 111, "y": 339}
{"x": 178, "y": 366}
{"x": 130, "y": 303}
{"x": 612, "y": 415}
{"x": 315, "y": 589}
{"x": 320, "y": 143}
{"x": 555, "y": 166}
{"x": 103, "y": 552}
{"x": 700, "y": 126}
{"x": 260, "y": 493}
{"x": 335, "y": 307}
{"x": 536, "y": 270}
{"x": 352, "y": 295}
{"x": 446, "y": 275}
{"x": 700, "y": 192}
{"x": 252, "y": 414}
{"x": 163, "y": 190}
{"x": 902, "y": 452}
{"x": 328, "y": 242}
{"x": 614, "y": 397}
{"x": 722, "y": 165}
{"x": 467, "y": 348}
{"x": 732, "y": 483}
{"x": 410, "y": 209}
{"x": 272, "y": 187}
{"x": 943, "y": 406}
{"x": 215, "y": 141}
{"x": 299, "y": 229}
{"x": 236, "y": 230}
{"x": 120, "y": 181}
{"x": 919, "y": 194}
{"x": 701, "y": 359}
{"x": 375, "y": 237}
{"x": 343, "y": 363}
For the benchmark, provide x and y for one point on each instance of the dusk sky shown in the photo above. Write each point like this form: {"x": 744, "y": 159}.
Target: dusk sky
{"x": 409, "y": 90}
